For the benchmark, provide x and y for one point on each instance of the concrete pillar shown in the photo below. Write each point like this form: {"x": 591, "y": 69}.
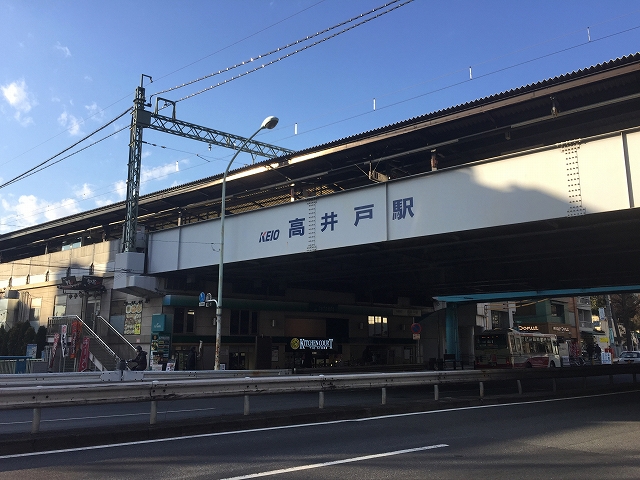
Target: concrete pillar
{"x": 453, "y": 344}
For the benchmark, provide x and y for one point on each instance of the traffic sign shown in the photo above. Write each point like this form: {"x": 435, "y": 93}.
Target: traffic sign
{"x": 416, "y": 328}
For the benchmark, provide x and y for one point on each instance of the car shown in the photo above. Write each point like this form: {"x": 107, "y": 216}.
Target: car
{"x": 628, "y": 357}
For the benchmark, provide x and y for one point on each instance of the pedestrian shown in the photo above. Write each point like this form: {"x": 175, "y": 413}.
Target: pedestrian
{"x": 191, "y": 359}
{"x": 597, "y": 351}
{"x": 140, "y": 361}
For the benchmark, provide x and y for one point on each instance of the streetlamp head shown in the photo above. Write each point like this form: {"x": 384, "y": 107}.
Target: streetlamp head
{"x": 269, "y": 123}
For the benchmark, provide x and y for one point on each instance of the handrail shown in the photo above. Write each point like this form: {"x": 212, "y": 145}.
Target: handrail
{"x": 113, "y": 329}
{"x": 93, "y": 334}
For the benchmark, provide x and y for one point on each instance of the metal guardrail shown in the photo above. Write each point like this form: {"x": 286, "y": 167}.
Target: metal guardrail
{"x": 84, "y": 378}
{"x": 147, "y": 390}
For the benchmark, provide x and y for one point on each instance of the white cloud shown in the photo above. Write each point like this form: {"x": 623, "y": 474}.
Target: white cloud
{"x": 88, "y": 78}
{"x": 102, "y": 203}
{"x": 156, "y": 173}
{"x": 121, "y": 189}
{"x": 17, "y": 95}
{"x": 30, "y": 210}
{"x": 65, "y": 50}
{"x": 71, "y": 123}
{"x": 84, "y": 192}
{"x": 95, "y": 112}
{"x": 63, "y": 208}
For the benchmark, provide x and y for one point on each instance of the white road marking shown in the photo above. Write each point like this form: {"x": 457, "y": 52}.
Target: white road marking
{"x": 336, "y": 462}
{"x": 95, "y": 417}
{"x": 304, "y": 425}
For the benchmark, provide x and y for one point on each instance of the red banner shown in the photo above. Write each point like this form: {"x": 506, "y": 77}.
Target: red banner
{"x": 84, "y": 355}
{"x": 56, "y": 340}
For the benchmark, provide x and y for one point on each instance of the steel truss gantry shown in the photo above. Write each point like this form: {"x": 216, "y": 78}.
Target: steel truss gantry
{"x": 141, "y": 119}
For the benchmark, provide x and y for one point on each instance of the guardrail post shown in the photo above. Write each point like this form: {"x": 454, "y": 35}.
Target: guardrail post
{"x": 519, "y": 386}
{"x": 246, "y": 404}
{"x": 321, "y": 400}
{"x": 153, "y": 416}
{"x": 436, "y": 392}
{"x": 35, "y": 423}
{"x": 384, "y": 395}
{"x": 481, "y": 389}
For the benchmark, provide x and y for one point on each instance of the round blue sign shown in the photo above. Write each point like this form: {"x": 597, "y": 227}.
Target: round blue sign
{"x": 202, "y": 297}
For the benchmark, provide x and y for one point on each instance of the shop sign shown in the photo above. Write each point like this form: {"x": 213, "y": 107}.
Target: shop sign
{"x": 69, "y": 281}
{"x": 306, "y": 344}
{"x": 407, "y": 312}
{"x": 556, "y": 328}
{"x": 323, "y": 307}
{"x": 528, "y": 328}
{"x": 133, "y": 318}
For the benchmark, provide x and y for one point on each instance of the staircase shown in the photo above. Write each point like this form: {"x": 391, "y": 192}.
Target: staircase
{"x": 102, "y": 355}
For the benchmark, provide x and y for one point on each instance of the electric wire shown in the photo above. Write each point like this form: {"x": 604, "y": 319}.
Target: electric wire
{"x": 412, "y": 98}
{"x": 467, "y": 80}
{"x": 272, "y": 62}
{"x": 289, "y": 45}
{"x": 28, "y": 172}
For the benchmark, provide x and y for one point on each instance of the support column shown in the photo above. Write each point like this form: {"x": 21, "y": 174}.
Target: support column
{"x": 453, "y": 343}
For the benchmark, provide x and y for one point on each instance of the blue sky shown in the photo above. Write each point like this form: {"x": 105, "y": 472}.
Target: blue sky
{"x": 69, "y": 67}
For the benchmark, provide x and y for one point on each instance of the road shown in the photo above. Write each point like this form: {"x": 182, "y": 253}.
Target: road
{"x": 128, "y": 414}
{"x": 581, "y": 437}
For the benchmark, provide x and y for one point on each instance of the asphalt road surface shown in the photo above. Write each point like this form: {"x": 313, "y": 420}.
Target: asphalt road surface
{"x": 94, "y": 416}
{"x": 571, "y": 438}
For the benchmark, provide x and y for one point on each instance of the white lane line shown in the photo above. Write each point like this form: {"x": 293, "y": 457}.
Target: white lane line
{"x": 336, "y": 462}
{"x": 118, "y": 415}
{"x": 305, "y": 425}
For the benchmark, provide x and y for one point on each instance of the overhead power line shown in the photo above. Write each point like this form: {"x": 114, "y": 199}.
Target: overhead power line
{"x": 41, "y": 165}
{"x": 285, "y": 47}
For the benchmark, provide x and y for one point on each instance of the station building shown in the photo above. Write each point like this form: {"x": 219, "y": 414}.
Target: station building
{"x": 377, "y": 301}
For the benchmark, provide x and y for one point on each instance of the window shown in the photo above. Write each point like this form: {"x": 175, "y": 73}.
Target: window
{"x": 178, "y": 320}
{"x": 72, "y": 243}
{"x": 191, "y": 320}
{"x": 378, "y": 326}
{"x": 557, "y": 310}
{"x": 34, "y": 312}
{"x": 243, "y": 322}
{"x": 60, "y": 306}
{"x": 237, "y": 360}
{"x": 499, "y": 319}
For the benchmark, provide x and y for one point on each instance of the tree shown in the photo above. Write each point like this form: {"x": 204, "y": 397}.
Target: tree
{"x": 3, "y": 341}
{"x": 14, "y": 341}
{"x": 41, "y": 340}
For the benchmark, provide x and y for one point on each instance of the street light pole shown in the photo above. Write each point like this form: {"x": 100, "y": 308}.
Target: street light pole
{"x": 268, "y": 123}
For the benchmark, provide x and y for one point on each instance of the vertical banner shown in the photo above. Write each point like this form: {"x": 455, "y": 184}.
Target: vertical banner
{"x": 84, "y": 355}
{"x": 74, "y": 333}
{"x": 56, "y": 340}
{"x": 63, "y": 340}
